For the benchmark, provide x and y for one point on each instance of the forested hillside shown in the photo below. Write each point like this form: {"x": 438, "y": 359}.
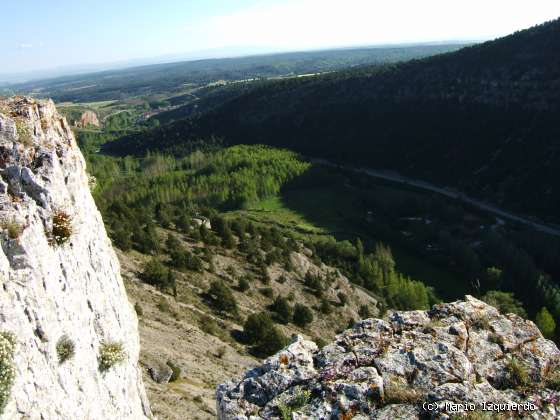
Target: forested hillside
{"x": 483, "y": 119}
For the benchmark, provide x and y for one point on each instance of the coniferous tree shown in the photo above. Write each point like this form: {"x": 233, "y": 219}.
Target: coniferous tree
{"x": 546, "y": 323}
{"x": 302, "y": 315}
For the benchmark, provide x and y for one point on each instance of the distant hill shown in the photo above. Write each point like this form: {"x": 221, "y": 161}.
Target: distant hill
{"x": 159, "y": 78}
{"x": 483, "y": 119}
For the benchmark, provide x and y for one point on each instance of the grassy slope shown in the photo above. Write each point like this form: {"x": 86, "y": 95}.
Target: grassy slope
{"x": 179, "y": 330}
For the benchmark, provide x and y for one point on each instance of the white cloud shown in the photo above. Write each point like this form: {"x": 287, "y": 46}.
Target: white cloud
{"x": 25, "y": 46}
{"x": 320, "y": 23}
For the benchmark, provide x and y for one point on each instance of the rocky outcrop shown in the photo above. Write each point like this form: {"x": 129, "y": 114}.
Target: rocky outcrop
{"x": 61, "y": 296}
{"x": 442, "y": 363}
{"x": 88, "y": 119}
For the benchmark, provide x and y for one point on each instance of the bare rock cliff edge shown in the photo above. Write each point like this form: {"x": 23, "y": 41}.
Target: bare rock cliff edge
{"x": 63, "y": 305}
{"x": 434, "y": 364}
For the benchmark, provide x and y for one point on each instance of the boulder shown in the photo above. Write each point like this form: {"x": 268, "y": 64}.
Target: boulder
{"x": 160, "y": 373}
{"x": 439, "y": 363}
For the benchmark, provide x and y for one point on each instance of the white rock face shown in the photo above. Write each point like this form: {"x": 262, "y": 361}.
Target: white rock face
{"x": 49, "y": 290}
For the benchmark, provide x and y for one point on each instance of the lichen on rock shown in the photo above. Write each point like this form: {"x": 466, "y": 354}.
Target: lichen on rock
{"x": 413, "y": 365}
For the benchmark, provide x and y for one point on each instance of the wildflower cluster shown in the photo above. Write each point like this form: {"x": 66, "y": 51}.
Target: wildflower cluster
{"x": 110, "y": 353}
{"x": 61, "y": 228}
{"x": 7, "y": 370}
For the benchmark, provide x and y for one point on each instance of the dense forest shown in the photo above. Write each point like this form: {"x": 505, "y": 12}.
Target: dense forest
{"x": 482, "y": 120}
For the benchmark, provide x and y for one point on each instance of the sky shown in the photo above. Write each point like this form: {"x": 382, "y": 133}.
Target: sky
{"x": 38, "y": 35}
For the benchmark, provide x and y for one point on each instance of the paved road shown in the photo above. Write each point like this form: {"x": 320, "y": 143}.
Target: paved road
{"x": 395, "y": 177}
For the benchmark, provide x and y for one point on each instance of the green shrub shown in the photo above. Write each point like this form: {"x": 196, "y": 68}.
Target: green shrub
{"x": 364, "y": 311}
{"x": 272, "y": 342}
{"x": 222, "y": 298}
{"x": 122, "y": 238}
{"x": 163, "y": 306}
{"x": 156, "y": 274}
{"x": 320, "y": 342}
{"x": 243, "y": 285}
{"x": 175, "y": 369}
{"x": 546, "y": 323}
{"x": 172, "y": 243}
{"x": 146, "y": 240}
{"x": 185, "y": 260}
{"x": 7, "y": 370}
{"x": 110, "y": 354}
{"x": 65, "y": 349}
{"x": 282, "y": 309}
{"x": 302, "y": 315}
{"x": 314, "y": 282}
{"x": 261, "y": 332}
{"x": 504, "y": 302}
{"x": 256, "y": 325}
{"x": 209, "y": 326}
{"x": 267, "y": 292}
{"x": 325, "y": 307}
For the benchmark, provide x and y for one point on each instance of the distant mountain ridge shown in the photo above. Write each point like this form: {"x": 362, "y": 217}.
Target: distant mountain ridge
{"x": 483, "y": 119}
{"x": 149, "y": 79}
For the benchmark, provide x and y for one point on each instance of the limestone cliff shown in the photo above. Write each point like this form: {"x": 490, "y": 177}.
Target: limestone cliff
{"x": 88, "y": 118}
{"x": 456, "y": 360}
{"x": 62, "y": 298}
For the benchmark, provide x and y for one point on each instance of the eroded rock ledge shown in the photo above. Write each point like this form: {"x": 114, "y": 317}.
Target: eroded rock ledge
{"x": 461, "y": 352}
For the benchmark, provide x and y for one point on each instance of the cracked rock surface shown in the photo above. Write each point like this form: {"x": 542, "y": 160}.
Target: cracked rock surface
{"x": 50, "y": 290}
{"x": 463, "y": 352}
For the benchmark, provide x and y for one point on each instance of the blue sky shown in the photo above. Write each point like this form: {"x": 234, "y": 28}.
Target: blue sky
{"x": 46, "y": 34}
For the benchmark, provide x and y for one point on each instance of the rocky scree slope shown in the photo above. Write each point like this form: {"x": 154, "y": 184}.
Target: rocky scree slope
{"x": 462, "y": 352}
{"x": 62, "y": 300}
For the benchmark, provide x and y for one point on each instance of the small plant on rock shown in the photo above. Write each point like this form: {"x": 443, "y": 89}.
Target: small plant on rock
{"x": 400, "y": 393}
{"x": 13, "y": 229}
{"x": 24, "y": 133}
{"x": 61, "y": 228}
{"x": 517, "y": 375}
{"x": 298, "y": 401}
{"x": 110, "y": 354}
{"x": 65, "y": 349}
{"x": 7, "y": 371}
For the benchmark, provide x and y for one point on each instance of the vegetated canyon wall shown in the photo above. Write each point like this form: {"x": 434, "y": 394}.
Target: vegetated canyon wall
{"x": 69, "y": 340}
{"x": 458, "y": 359}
